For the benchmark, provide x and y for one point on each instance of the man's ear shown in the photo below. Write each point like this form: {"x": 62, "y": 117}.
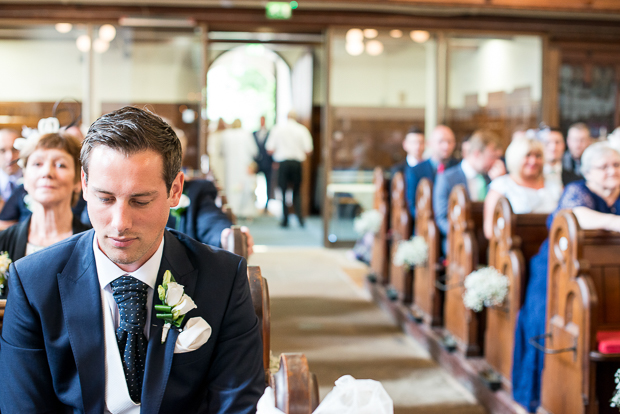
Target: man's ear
{"x": 84, "y": 180}
{"x": 176, "y": 189}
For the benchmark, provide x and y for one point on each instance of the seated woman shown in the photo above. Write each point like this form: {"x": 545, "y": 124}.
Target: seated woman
{"x": 596, "y": 204}
{"x": 52, "y": 180}
{"x": 524, "y": 186}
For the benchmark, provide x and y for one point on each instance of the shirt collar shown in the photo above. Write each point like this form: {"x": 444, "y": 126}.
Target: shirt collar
{"x": 108, "y": 271}
{"x": 412, "y": 161}
{"x": 468, "y": 170}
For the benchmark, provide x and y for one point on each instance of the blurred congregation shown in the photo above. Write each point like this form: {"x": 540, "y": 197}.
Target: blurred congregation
{"x": 467, "y": 152}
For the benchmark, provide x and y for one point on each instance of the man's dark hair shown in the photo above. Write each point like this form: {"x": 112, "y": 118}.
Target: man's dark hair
{"x": 414, "y": 130}
{"x": 131, "y": 130}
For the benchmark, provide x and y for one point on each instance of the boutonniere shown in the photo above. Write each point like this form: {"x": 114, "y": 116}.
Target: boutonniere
{"x": 175, "y": 304}
{"x": 5, "y": 261}
{"x": 177, "y": 211}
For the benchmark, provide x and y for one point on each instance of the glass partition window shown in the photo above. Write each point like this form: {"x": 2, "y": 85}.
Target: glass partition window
{"x": 493, "y": 82}
{"x": 378, "y": 91}
{"x": 40, "y": 66}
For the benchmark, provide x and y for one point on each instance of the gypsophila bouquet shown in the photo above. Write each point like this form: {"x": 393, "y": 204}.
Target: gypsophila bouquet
{"x": 368, "y": 222}
{"x": 615, "y": 400}
{"x": 5, "y": 261}
{"x": 412, "y": 252}
{"x": 485, "y": 287}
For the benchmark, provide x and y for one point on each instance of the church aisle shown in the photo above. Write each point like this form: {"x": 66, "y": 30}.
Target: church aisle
{"x": 319, "y": 307}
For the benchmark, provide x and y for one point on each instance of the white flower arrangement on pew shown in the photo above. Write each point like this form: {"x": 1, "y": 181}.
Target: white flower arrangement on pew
{"x": 368, "y": 222}
{"x": 413, "y": 252}
{"x": 615, "y": 400}
{"x": 485, "y": 287}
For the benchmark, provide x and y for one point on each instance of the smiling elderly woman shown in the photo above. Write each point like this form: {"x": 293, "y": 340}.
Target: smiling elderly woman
{"x": 524, "y": 186}
{"x": 596, "y": 204}
{"x": 52, "y": 180}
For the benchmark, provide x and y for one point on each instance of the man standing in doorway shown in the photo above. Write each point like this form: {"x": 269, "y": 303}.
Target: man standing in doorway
{"x": 290, "y": 143}
{"x": 263, "y": 158}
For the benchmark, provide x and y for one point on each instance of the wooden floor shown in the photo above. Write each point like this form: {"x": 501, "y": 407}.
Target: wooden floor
{"x": 321, "y": 307}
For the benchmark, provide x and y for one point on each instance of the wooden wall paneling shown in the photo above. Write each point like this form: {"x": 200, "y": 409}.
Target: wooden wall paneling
{"x": 327, "y": 117}
{"x": 550, "y": 84}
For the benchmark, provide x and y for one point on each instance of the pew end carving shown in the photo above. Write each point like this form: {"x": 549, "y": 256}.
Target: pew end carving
{"x": 295, "y": 387}
{"x": 259, "y": 290}
{"x": 380, "y": 249}
{"x": 464, "y": 253}
{"x": 510, "y": 257}
{"x": 583, "y": 300}
{"x": 401, "y": 277}
{"x": 238, "y": 242}
{"x": 428, "y": 299}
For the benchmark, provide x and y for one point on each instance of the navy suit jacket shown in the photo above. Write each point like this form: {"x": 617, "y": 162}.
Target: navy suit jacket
{"x": 444, "y": 184}
{"x": 263, "y": 159}
{"x": 425, "y": 169}
{"x": 202, "y": 220}
{"x": 52, "y": 344}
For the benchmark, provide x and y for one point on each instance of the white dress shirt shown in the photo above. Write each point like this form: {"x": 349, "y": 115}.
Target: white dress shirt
{"x": 116, "y": 393}
{"x": 473, "y": 182}
{"x": 289, "y": 141}
{"x": 553, "y": 173}
{"x": 412, "y": 161}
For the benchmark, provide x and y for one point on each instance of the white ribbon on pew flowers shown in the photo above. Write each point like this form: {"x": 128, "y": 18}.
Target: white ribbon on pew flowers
{"x": 485, "y": 287}
{"x": 615, "y": 400}
{"x": 368, "y": 222}
{"x": 413, "y": 252}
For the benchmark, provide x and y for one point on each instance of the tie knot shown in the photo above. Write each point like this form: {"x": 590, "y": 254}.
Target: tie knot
{"x": 130, "y": 296}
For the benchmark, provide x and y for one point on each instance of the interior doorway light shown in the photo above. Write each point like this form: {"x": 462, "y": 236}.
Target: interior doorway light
{"x": 107, "y": 32}
{"x": 396, "y": 34}
{"x": 420, "y": 36}
{"x": 374, "y": 47}
{"x": 100, "y": 45}
{"x": 83, "y": 43}
{"x": 370, "y": 33}
{"x": 354, "y": 48}
{"x": 63, "y": 27}
{"x": 354, "y": 35}
{"x": 156, "y": 22}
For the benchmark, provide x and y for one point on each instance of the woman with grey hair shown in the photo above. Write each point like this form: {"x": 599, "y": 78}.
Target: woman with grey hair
{"x": 524, "y": 186}
{"x": 595, "y": 202}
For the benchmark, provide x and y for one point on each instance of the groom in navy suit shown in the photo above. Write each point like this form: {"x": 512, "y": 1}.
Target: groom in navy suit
{"x": 81, "y": 332}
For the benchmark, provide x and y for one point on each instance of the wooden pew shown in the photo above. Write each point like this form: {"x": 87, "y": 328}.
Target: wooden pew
{"x": 516, "y": 238}
{"x": 583, "y": 299}
{"x": 2, "y": 306}
{"x": 401, "y": 278}
{"x": 295, "y": 387}
{"x": 259, "y": 290}
{"x": 379, "y": 262}
{"x": 428, "y": 299}
{"x": 238, "y": 242}
{"x": 467, "y": 249}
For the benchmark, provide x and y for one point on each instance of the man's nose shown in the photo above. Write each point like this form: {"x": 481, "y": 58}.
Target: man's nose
{"x": 121, "y": 217}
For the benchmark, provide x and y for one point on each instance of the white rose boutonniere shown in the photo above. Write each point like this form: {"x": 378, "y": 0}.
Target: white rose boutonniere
{"x": 175, "y": 304}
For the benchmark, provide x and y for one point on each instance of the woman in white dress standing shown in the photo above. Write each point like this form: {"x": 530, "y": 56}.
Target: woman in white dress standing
{"x": 525, "y": 185}
{"x": 214, "y": 148}
{"x": 239, "y": 150}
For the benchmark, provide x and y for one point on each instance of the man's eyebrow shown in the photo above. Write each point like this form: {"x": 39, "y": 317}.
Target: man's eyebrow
{"x": 145, "y": 194}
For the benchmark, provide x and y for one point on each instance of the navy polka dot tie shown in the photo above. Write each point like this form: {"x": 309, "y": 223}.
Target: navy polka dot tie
{"x": 130, "y": 296}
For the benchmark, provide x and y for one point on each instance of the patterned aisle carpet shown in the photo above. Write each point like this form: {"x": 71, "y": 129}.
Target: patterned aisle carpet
{"x": 319, "y": 307}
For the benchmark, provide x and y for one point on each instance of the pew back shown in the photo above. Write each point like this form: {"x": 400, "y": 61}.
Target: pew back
{"x": 295, "y": 387}
{"x": 238, "y": 242}
{"x": 401, "y": 277}
{"x": 583, "y": 298}
{"x": 466, "y": 246}
{"x": 516, "y": 238}
{"x": 428, "y": 299}
{"x": 259, "y": 290}
{"x": 380, "y": 248}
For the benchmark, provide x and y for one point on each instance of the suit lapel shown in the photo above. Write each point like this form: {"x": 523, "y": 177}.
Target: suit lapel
{"x": 159, "y": 356}
{"x": 80, "y": 295}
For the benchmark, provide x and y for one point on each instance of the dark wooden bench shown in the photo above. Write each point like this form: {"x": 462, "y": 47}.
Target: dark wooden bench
{"x": 295, "y": 387}
{"x": 379, "y": 262}
{"x": 401, "y": 277}
{"x": 428, "y": 299}
{"x": 583, "y": 299}
{"x": 516, "y": 238}
{"x": 237, "y": 242}
{"x": 467, "y": 248}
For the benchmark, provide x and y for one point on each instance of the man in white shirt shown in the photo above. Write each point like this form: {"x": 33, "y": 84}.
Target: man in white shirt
{"x": 10, "y": 173}
{"x": 554, "y": 147}
{"x": 290, "y": 144}
{"x": 94, "y": 325}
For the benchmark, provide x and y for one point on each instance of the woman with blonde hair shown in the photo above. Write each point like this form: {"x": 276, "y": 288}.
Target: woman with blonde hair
{"x": 524, "y": 186}
{"x": 51, "y": 167}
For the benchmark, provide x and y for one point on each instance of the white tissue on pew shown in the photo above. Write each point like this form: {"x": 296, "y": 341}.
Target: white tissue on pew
{"x": 349, "y": 396}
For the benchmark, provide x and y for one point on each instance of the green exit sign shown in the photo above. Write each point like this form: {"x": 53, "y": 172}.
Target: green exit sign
{"x": 279, "y": 10}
